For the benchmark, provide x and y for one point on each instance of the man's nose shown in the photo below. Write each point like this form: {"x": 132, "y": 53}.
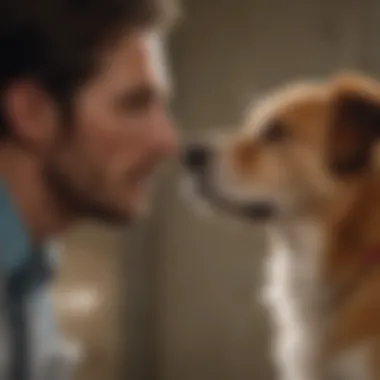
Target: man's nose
{"x": 165, "y": 140}
{"x": 196, "y": 157}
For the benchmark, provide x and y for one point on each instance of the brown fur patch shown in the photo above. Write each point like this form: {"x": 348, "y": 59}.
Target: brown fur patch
{"x": 355, "y": 118}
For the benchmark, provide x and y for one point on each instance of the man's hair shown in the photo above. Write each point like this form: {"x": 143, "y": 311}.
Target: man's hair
{"x": 58, "y": 43}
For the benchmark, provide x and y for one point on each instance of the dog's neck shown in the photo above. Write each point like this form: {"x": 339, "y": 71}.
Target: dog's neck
{"x": 353, "y": 231}
{"x": 299, "y": 245}
{"x": 300, "y": 234}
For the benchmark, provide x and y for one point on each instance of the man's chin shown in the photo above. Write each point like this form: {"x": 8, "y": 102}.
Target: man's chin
{"x": 117, "y": 215}
{"x": 139, "y": 209}
{"x": 123, "y": 214}
{"x": 116, "y": 219}
{"x": 140, "y": 212}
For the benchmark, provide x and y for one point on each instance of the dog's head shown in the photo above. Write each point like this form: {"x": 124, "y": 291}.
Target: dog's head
{"x": 296, "y": 149}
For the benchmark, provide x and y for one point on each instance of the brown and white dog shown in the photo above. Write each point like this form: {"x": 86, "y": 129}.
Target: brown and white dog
{"x": 306, "y": 164}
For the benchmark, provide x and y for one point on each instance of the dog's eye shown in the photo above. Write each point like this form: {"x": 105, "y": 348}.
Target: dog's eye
{"x": 275, "y": 132}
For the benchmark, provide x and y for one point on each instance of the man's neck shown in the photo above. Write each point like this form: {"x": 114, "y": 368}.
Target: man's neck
{"x": 23, "y": 177}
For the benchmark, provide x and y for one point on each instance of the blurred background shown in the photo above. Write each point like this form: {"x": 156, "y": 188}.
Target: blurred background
{"x": 175, "y": 298}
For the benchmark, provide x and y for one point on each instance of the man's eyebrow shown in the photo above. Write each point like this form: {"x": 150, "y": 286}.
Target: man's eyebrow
{"x": 144, "y": 93}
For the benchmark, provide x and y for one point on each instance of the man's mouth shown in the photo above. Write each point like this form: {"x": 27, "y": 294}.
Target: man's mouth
{"x": 143, "y": 174}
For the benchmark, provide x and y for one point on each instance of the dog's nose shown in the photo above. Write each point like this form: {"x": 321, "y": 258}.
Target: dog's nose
{"x": 196, "y": 157}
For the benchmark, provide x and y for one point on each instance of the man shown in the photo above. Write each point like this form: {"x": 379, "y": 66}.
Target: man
{"x": 83, "y": 124}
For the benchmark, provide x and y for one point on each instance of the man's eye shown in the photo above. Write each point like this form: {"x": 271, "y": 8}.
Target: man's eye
{"x": 139, "y": 100}
{"x": 276, "y": 132}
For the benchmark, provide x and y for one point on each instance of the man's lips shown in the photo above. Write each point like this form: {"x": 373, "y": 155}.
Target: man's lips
{"x": 143, "y": 172}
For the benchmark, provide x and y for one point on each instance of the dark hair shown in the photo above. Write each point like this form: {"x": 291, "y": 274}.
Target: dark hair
{"x": 57, "y": 42}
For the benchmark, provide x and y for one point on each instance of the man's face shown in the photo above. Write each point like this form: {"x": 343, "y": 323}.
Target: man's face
{"x": 120, "y": 132}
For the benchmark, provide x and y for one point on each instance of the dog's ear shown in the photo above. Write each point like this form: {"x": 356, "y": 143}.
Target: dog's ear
{"x": 355, "y": 126}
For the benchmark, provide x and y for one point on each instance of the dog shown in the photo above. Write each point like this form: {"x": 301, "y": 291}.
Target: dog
{"x": 306, "y": 164}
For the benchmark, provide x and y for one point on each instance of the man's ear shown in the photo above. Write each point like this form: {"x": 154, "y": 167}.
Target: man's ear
{"x": 354, "y": 129}
{"x": 30, "y": 113}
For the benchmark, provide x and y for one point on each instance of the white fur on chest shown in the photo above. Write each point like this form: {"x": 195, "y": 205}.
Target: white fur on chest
{"x": 294, "y": 296}
{"x": 293, "y": 265}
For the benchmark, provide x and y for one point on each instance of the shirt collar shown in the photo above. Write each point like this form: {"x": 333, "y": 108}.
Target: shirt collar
{"x": 15, "y": 242}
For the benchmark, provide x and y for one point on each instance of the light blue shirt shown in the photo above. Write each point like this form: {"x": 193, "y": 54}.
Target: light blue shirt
{"x": 30, "y": 345}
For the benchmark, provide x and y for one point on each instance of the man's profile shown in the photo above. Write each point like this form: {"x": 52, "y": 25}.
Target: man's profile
{"x": 83, "y": 125}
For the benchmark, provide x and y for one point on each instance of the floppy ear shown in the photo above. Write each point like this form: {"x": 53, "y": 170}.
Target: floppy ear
{"x": 354, "y": 129}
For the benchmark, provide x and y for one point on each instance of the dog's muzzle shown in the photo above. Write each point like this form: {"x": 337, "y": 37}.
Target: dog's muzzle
{"x": 197, "y": 160}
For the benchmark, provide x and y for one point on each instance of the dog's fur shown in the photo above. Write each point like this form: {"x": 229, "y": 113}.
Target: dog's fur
{"x": 306, "y": 163}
